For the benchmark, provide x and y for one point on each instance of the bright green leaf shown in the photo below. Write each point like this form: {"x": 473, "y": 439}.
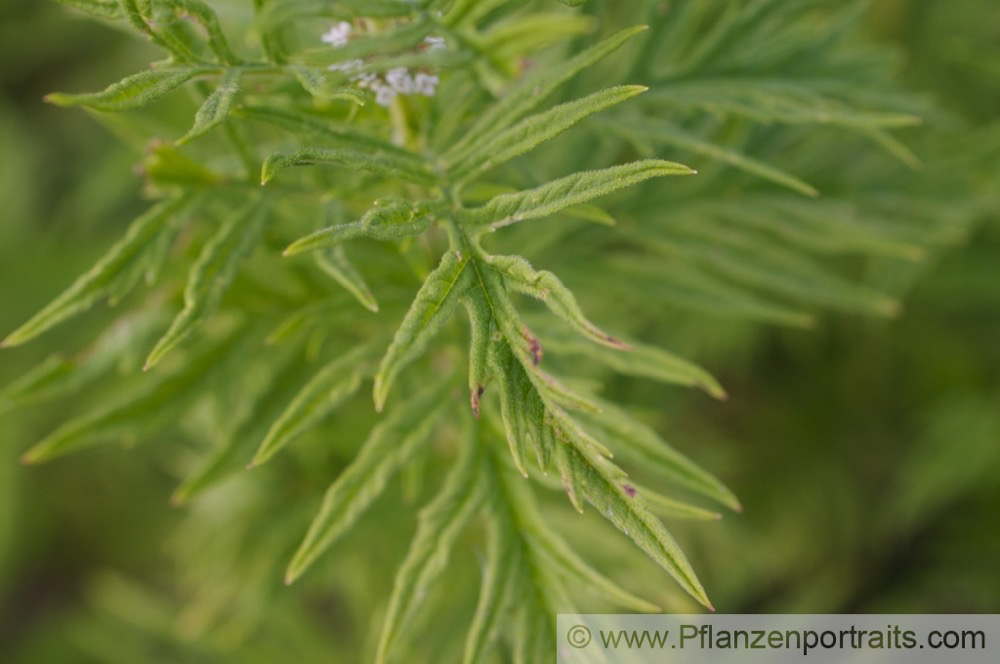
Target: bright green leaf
{"x": 132, "y": 92}
{"x": 431, "y": 309}
{"x": 389, "y": 446}
{"x": 566, "y": 192}
{"x": 211, "y": 275}
{"x": 537, "y": 129}
{"x": 216, "y": 106}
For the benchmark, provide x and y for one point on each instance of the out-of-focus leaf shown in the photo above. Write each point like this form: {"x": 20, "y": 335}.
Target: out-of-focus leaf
{"x": 328, "y": 389}
{"x": 211, "y": 275}
{"x": 389, "y": 165}
{"x": 390, "y": 444}
{"x": 537, "y": 129}
{"x": 103, "y": 8}
{"x": 164, "y": 398}
{"x": 531, "y": 93}
{"x": 336, "y": 264}
{"x": 112, "y": 276}
{"x": 439, "y": 525}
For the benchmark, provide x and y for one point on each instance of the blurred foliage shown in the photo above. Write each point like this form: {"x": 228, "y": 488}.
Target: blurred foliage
{"x": 865, "y": 452}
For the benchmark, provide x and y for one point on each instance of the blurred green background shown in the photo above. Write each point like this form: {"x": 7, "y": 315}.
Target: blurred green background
{"x": 866, "y": 453}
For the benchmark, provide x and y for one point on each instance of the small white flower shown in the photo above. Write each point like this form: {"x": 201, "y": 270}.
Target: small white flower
{"x": 426, "y": 84}
{"x": 338, "y": 35}
{"x": 434, "y": 43}
{"x": 400, "y": 80}
{"x": 383, "y": 94}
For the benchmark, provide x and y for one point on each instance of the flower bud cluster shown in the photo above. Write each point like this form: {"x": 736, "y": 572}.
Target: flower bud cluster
{"x": 398, "y": 81}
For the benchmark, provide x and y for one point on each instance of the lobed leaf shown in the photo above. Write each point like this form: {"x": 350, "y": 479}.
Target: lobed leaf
{"x": 566, "y": 192}
{"x": 132, "y": 92}
{"x": 216, "y": 106}
{"x": 431, "y": 309}
{"x": 112, "y": 276}
{"x": 390, "y": 445}
{"x": 545, "y": 286}
{"x": 620, "y": 503}
{"x": 211, "y": 275}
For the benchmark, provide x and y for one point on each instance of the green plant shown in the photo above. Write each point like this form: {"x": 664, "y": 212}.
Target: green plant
{"x": 754, "y": 94}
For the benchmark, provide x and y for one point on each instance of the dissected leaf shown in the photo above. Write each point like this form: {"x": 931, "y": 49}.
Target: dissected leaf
{"x": 642, "y": 444}
{"x": 545, "y": 286}
{"x": 618, "y": 501}
{"x": 566, "y": 192}
{"x": 642, "y": 360}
